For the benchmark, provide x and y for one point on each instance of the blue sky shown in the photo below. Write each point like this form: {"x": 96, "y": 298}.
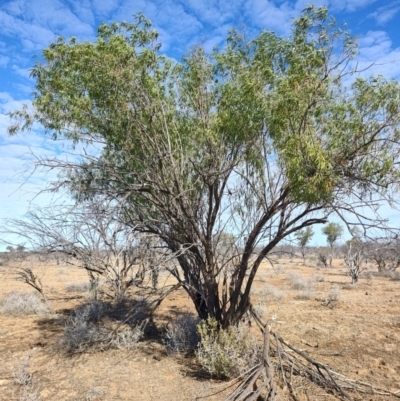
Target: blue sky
{"x": 27, "y": 26}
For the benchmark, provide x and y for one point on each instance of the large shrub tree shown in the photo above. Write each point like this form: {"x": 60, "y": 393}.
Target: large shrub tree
{"x": 259, "y": 138}
{"x": 333, "y": 232}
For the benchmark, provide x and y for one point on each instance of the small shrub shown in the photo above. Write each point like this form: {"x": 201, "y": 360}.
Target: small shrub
{"x": 347, "y": 286}
{"x": 332, "y": 298}
{"x": 306, "y": 293}
{"x": 395, "y": 276}
{"x": 273, "y": 292}
{"x": 92, "y": 312}
{"x": 260, "y": 310}
{"x": 17, "y": 304}
{"x": 367, "y": 275}
{"x": 22, "y": 377}
{"x": 269, "y": 292}
{"x": 334, "y": 294}
{"x": 319, "y": 278}
{"x": 322, "y": 259}
{"x": 94, "y": 395}
{"x": 21, "y": 372}
{"x": 226, "y": 353}
{"x": 181, "y": 335}
{"x": 299, "y": 283}
{"x": 84, "y": 331}
{"x": 29, "y": 393}
{"x": 127, "y": 339}
{"x": 77, "y": 287}
{"x": 81, "y": 334}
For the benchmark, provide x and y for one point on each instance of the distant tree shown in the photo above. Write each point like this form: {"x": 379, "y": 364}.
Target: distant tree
{"x": 93, "y": 235}
{"x": 385, "y": 253}
{"x": 303, "y": 237}
{"x": 354, "y": 260}
{"x": 20, "y": 248}
{"x": 333, "y": 232}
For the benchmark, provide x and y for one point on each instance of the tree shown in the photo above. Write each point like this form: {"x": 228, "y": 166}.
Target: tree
{"x": 260, "y": 139}
{"x": 93, "y": 237}
{"x": 354, "y": 260}
{"x": 333, "y": 232}
{"x": 303, "y": 238}
{"x": 385, "y": 252}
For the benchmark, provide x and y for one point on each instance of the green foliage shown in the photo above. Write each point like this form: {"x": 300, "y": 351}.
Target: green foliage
{"x": 271, "y": 91}
{"x": 226, "y": 353}
{"x": 303, "y": 237}
{"x": 333, "y": 232}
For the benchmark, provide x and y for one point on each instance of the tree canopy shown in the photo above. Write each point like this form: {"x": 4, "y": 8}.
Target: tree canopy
{"x": 333, "y": 232}
{"x": 261, "y": 138}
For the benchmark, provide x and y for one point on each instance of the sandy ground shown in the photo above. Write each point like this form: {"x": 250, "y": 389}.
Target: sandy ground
{"x": 358, "y": 337}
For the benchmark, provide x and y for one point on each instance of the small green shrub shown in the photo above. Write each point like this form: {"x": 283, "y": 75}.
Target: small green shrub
{"x": 226, "y": 353}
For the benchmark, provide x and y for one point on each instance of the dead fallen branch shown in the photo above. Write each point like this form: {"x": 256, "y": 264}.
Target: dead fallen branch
{"x": 289, "y": 361}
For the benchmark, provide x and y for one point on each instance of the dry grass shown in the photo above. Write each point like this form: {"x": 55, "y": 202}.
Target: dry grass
{"x": 17, "y": 304}
{"x": 356, "y": 338}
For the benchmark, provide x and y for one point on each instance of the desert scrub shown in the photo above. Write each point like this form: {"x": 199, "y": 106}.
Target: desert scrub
{"x": 16, "y": 304}
{"x": 77, "y": 287}
{"x": 227, "y": 353}
{"x": 181, "y": 335}
{"x": 85, "y": 330}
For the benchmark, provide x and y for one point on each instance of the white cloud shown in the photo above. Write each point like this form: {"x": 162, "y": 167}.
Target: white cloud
{"x": 384, "y": 14}
{"x": 38, "y": 23}
{"x": 4, "y": 61}
{"x": 17, "y": 154}
{"x": 376, "y": 50}
{"x": 266, "y": 15}
{"x": 349, "y": 5}
{"x": 104, "y": 8}
{"x": 23, "y": 72}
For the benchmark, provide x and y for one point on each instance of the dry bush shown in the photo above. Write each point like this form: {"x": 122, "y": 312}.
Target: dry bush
{"x": 300, "y": 283}
{"x": 85, "y": 330}
{"x": 306, "y": 287}
{"x": 270, "y": 292}
{"x": 16, "y": 304}
{"x": 126, "y": 339}
{"x": 94, "y": 395}
{"x": 319, "y": 278}
{"x": 4, "y": 259}
{"x": 77, "y": 287}
{"x": 334, "y": 294}
{"x": 367, "y": 275}
{"x": 260, "y": 309}
{"x": 347, "y": 286}
{"x": 28, "y": 391}
{"x": 322, "y": 259}
{"x": 21, "y": 372}
{"x": 81, "y": 334}
{"x": 332, "y": 298}
{"x": 181, "y": 335}
{"x": 306, "y": 293}
{"x": 395, "y": 276}
{"x": 226, "y": 353}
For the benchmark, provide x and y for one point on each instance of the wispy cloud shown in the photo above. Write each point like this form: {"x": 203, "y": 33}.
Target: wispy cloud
{"x": 376, "y": 50}
{"x": 4, "y": 61}
{"x": 384, "y": 14}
